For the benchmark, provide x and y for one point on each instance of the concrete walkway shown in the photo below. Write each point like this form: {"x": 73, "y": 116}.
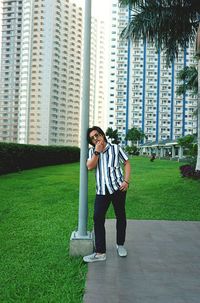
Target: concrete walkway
{"x": 162, "y": 266}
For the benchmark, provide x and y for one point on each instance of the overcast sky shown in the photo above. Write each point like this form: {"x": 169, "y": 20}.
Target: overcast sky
{"x": 100, "y": 8}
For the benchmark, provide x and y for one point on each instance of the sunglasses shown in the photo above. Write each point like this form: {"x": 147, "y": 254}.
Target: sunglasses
{"x": 95, "y": 137}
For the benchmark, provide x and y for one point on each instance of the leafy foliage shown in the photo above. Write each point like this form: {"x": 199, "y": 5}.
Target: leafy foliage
{"x": 113, "y": 135}
{"x": 132, "y": 150}
{"x": 189, "y": 76}
{"x": 190, "y": 147}
{"x": 186, "y": 141}
{"x": 134, "y": 135}
{"x": 169, "y": 24}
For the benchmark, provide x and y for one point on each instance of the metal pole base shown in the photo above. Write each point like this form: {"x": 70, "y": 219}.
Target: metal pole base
{"x": 81, "y": 245}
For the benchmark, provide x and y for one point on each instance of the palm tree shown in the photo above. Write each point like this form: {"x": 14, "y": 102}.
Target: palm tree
{"x": 135, "y": 135}
{"x": 189, "y": 77}
{"x": 171, "y": 25}
{"x": 113, "y": 135}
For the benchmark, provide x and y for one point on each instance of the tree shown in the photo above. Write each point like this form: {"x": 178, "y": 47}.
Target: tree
{"x": 189, "y": 76}
{"x": 189, "y": 143}
{"x": 135, "y": 135}
{"x": 170, "y": 25}
{"x": 113, "y": 135}
{"x": 132, "y": 150}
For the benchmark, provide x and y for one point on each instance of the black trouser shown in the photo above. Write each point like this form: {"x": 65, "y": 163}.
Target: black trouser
{"x": 101, "y": 206}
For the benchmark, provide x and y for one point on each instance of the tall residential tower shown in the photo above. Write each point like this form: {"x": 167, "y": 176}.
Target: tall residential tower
{"x": 98, "y": 76}
{"x": 10, "y": 70}
{"x": 41, "y": 72}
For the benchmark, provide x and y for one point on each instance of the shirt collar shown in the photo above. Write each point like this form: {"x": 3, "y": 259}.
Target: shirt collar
{"x": 107, "y": 147}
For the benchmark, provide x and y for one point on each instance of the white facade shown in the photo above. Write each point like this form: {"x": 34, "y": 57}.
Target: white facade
{"x": 25, "y": 66}
{"x": 55, "y": 73}
{"x": 10, "y": 70}
{"x": 118, "y": 80}
{"x": 98, "y": 75}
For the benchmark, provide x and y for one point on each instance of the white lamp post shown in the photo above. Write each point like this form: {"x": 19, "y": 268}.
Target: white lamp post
{"x": 81, "y": 242}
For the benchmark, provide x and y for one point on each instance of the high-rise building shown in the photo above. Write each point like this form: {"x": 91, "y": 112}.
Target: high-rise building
{"x": 98, "y": 84}
{"x": 142, "y": 90}
{"x": 41, "y": 72}
{"x": 0, "y": 28}
{"x": 10, "y": 70}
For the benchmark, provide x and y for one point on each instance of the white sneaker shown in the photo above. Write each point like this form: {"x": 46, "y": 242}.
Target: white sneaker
{"x": 94, "y": 258}
{"x": 122, "y": 252}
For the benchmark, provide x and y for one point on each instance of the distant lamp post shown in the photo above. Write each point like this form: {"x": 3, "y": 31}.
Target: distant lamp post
{"x": 81, "y": 241}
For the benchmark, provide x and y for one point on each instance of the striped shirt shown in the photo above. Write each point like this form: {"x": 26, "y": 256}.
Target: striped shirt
{"x": 108, "y": 171}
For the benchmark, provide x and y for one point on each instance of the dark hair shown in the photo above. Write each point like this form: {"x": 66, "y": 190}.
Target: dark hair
{"x": 99, "y": 130}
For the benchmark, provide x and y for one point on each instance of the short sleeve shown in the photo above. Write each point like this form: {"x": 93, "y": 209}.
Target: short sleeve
{"x": 122, "y": 155}
{"x": 90, "y": 153}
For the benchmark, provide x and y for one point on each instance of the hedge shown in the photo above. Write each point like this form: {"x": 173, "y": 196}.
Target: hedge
{"x": 15, "y": 157}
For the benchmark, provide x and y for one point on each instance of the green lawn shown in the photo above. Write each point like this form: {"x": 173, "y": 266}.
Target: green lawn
{"x": 158, "y": 192}
{"x": 39, "y": 210}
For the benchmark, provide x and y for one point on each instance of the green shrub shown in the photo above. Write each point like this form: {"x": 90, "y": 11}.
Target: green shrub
{"x": 15, "y": 157}
{"x": 132, "y": 150}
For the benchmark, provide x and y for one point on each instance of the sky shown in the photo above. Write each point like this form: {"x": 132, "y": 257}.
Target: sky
{"x": 100, "y": 8}
{"x": 0, "y": 25}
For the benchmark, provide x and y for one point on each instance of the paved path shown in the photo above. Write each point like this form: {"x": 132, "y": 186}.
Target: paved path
{"x": 162, "y": 266}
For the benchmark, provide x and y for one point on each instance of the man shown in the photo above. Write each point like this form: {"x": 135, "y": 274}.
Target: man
{"x": 111, "y": 186}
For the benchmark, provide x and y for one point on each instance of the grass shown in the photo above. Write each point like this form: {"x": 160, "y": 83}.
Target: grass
{"x": 38, "y": 214}
{"x": 158, "y": 192}
{"x": 39, "y": 210}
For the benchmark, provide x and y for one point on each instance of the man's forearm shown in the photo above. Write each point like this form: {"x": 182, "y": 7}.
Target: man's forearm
{"x": 127, "y": 171}
{"x": 92, "y": 163}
